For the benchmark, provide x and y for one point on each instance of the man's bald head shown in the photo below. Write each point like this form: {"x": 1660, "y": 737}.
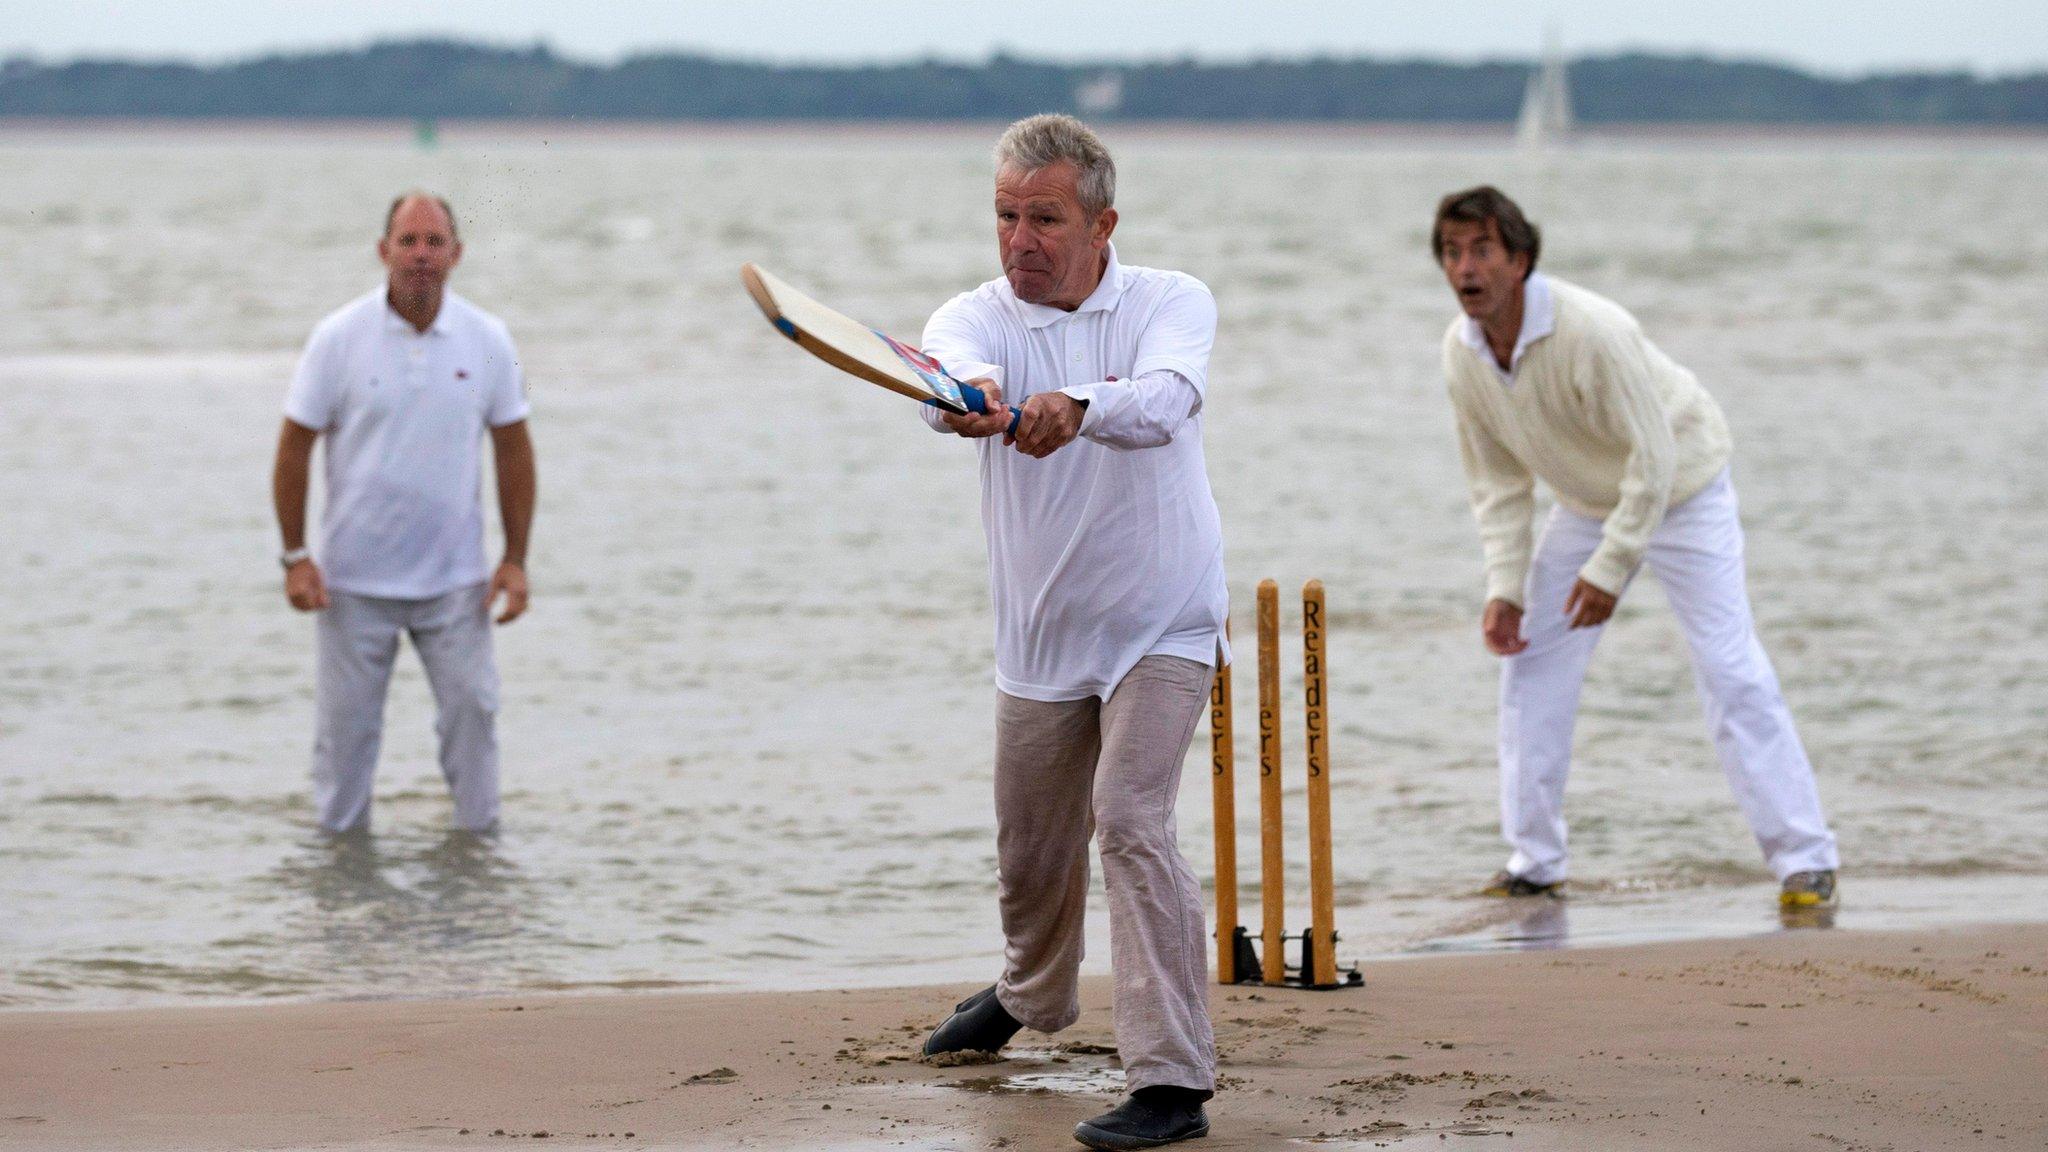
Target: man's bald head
{"x": 419, "y": 249}
{"x": 404, "y": 198}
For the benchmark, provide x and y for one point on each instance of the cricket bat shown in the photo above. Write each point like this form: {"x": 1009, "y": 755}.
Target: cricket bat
{"x": 858, "y": 350}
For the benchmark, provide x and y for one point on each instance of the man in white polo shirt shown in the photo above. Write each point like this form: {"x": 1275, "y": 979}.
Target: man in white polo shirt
{"x": 1106, "y": 573}
{"x": 1552, "y": 382}
{"x": 404, "y": 384}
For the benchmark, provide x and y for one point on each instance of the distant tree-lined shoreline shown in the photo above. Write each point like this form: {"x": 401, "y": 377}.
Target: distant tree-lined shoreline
{"x": 451, "y": 79}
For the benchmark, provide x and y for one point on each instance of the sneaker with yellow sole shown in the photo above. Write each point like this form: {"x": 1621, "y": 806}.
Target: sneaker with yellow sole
{"x": 1808, "y": 890}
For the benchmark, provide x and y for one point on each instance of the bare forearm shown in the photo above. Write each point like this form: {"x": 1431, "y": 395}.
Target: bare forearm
{"x": 289, "y": 480}
{"x": 518, "y": 487}
{"x": 288, "y": 494}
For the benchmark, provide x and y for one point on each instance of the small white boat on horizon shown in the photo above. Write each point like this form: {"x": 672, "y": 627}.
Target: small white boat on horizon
{"x": 1546, "y": 120}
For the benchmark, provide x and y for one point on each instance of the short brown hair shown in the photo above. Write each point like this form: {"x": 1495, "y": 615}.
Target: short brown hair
{"x": 1478, "y": 205}
{"x": 391, "y": 213}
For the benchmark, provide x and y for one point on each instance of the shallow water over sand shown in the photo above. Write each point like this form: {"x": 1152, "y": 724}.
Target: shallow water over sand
{"x": 747, "y": 724}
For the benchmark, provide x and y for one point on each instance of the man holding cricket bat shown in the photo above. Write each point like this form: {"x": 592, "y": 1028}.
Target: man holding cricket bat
{"x": 1106, "y": 572}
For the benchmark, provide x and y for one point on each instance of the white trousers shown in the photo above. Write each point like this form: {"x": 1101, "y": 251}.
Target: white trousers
{"x": 1697, "y": 557}
{"x": 358, "y": 643}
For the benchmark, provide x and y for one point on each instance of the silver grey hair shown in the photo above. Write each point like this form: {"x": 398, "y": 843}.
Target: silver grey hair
{"x": 1037, "y": 142}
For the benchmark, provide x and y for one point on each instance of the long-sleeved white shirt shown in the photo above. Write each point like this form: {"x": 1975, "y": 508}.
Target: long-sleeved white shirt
{"x": 1110, "y": 549}
{"x": 1617, "y": 429}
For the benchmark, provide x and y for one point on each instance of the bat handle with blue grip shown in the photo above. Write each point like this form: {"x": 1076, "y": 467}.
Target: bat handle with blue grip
{"x": 977, "y": 403}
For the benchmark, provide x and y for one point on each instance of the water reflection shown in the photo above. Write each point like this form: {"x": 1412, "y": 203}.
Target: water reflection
{"x": 1633, "y": 917}
{"x": 1491, "y": 924}
{"x": 1822, "y": 916}
{"x": 430, "y": 915}
{"x": 1538, "y": 923}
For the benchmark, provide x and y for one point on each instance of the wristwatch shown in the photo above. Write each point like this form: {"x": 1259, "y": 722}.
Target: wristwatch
{"x": 291, "y": 559}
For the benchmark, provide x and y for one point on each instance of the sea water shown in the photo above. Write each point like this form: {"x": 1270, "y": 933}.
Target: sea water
{"x": 747, "y": 724}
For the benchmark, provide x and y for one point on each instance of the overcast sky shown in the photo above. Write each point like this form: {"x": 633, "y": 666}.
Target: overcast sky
{"x": 1841, "y": 36}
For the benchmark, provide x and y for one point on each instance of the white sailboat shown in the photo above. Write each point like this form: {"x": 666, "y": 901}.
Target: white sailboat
{"x": 1546, "y": 120}
{"x": 1100, "y": 95}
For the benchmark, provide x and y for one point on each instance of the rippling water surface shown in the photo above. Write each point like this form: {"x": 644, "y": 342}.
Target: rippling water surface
{"x": 747, "y": 724}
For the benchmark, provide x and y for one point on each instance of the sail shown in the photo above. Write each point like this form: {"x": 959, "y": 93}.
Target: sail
{"x": 1100, "y": 95}
{"x": 1546, "y": 118}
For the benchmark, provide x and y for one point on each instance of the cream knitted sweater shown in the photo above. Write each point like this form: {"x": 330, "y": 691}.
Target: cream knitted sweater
{"x": 1617, "y": 429}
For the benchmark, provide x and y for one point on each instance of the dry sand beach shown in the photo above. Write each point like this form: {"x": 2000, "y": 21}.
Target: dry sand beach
{"x": 1799, "y": 1040}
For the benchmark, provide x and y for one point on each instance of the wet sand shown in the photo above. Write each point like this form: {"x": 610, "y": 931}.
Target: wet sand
{"x": 1805, "y": 1039}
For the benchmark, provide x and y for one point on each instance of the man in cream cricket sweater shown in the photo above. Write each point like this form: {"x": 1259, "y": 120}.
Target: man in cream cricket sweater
{"x": 1552, "y": 382}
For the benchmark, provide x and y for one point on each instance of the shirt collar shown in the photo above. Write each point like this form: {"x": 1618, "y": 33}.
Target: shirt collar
{"x": 1539, "y": 319}
{"x": 393, "y": 320}
{"x": 1101, "y": 300}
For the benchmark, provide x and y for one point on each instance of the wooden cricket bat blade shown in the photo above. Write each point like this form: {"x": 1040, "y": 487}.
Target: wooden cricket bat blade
{"x": 858, "y": 350}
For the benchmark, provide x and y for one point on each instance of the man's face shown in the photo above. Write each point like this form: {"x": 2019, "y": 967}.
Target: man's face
{"x": 1051, "y": 249}
{"x": 420, "y": 248}
{"x": 1484, "y": 274}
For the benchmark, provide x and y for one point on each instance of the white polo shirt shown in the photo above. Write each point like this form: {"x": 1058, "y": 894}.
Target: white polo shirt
{"x": 1110, "y": 549}
{"x": 404, "y": 415}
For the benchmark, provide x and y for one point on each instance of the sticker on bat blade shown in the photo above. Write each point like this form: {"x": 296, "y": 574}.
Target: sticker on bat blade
{"x": 927, "y": 369}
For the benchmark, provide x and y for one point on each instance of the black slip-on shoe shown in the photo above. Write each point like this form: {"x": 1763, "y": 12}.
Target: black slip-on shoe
{"x": 1148, "y": 1118}
{"x": 978, "y": 1024}
{"x": 1506, "y": 883}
